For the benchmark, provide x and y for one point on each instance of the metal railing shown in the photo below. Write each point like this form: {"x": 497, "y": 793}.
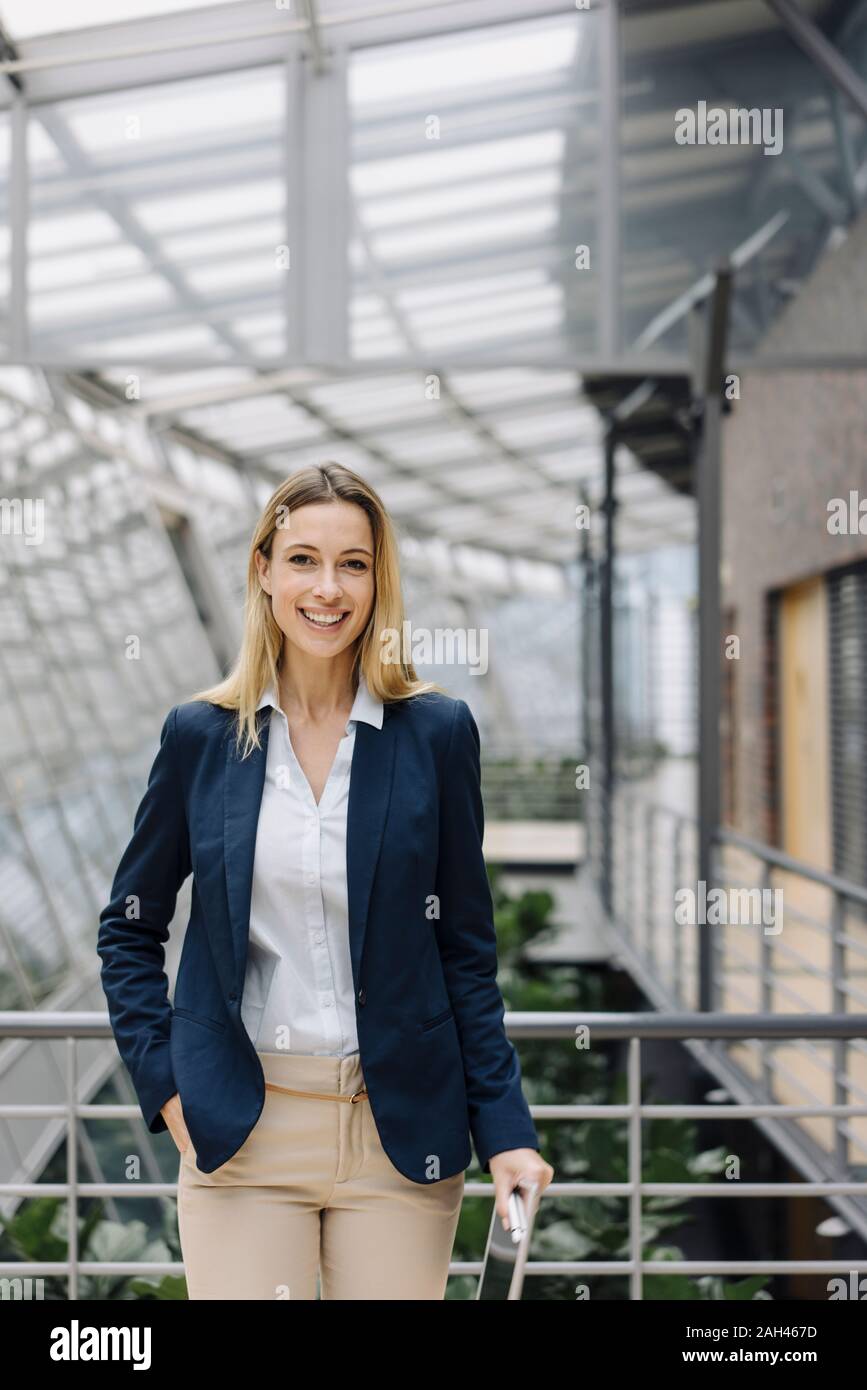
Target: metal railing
{"x": 655, "y": 853}
{"x": 801, "y": 951}
{"x": 694, "y": 1028}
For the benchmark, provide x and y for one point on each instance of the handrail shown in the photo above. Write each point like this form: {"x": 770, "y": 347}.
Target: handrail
{"x": 634, "y": 1026}
{"x": 655, "y": 863}
{"x": 527, "y": 1024}
{"x": 778, "y": 857}
{"x": 727, "y": 835}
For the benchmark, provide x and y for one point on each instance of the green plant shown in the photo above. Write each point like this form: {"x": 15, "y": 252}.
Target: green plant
{"x": 590, "y": 1228}
{"x": 38, "y": 1231}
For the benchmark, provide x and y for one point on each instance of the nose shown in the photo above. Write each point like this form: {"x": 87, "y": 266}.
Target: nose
{"x": 328, "y": 589}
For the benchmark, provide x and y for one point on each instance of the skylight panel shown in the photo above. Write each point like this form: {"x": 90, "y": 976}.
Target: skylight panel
{"x": 210, "y": 205}
{"x": 483, "y": 303}
{"x": 380, "y": 214}
{"x": 22, "y": 19}
{"x": 527, "y": 222}
{"x": 115, "y": 298}
{"x": 518, "y": 326}
{"x": 459, "y": 62}
{"x": 440, "y": 166}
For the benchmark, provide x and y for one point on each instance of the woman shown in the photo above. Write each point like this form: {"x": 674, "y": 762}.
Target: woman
{"x": 337, "y": 1030}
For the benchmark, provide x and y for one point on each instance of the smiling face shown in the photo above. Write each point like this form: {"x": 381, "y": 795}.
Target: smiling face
{"x": 320, "y": 576}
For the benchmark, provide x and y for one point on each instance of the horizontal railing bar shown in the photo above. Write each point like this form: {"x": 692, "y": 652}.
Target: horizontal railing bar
{"x": 851, "y": 991}
{"x": 537, "y": 1267}
{"x": 841, "y": 1267}
{"x": 768, "y": 855}
{"x": 785, "y": 954}
{"x": 729, "y": 955}
{"x": 30, "y": 1268}
{"x": 851, "y": 1085}
{"x": 732, "y": 988}
{"x": 89, "y": 1189}
{"x": 540, "y": 1267}
{"x": 622, "y": 1111}
{"x": 57, "y": 1110}
{"x": 725, "y": 835}
{"x": 751, "y": 1189}
{"x": 782, "y": 1071}
{"x": 605, "y": 1027}
{"x": 844, "y": 939}
{"x": 562, "y": 1189}
{"x": 674, "y": 1111}
{"x": 793, "y": 914}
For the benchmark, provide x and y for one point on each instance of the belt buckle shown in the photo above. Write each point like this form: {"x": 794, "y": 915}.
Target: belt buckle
{"x": 358, "y": 1095}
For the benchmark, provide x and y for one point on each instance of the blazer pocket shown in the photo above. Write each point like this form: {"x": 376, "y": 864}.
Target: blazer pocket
{"x": 198, "y": 1018}
{"x": 437, "y": 1019}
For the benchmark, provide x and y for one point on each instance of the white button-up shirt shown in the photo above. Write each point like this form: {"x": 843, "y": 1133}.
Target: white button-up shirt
{"x": 299, "y": 994}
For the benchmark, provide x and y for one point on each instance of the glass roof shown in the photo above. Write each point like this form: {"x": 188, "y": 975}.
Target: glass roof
{"x": 220, "y": 196}
{"x": 493, "y": 468}
{"x": 458, "y": 157}
{"x": 451, "y": 166}
{"x": 24, "y": 19}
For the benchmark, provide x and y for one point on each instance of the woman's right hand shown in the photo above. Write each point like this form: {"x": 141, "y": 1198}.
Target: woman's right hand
{"x": 173, "y": 1115}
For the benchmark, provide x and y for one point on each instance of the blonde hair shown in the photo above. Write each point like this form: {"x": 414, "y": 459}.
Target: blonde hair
{"x": 258, "y": 662}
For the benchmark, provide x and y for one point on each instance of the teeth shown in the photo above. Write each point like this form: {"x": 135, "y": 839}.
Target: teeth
{"x": 320, "y": 620}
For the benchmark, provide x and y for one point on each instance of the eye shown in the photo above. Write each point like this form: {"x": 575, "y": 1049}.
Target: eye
{"x": 361, "y": 564}
{"x": 293, "y": 558}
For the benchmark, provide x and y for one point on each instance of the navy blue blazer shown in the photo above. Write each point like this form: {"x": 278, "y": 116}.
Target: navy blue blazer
{"x": 436, "y": 1059}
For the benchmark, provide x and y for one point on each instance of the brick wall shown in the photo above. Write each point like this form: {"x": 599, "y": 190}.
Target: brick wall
{"x": 793, "y": 441}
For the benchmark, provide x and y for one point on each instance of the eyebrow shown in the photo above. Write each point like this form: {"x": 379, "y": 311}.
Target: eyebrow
{"x": 302, "y": 545}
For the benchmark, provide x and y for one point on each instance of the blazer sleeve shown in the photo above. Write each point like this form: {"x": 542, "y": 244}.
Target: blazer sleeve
{"x": 134, "y": 924}
{"x": 499, "y": 1114}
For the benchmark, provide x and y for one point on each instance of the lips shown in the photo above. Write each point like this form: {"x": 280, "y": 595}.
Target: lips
{"x": 324, "y": 626}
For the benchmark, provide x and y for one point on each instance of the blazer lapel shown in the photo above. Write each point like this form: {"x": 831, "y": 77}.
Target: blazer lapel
{"x": 242, "y": 797}
{"x": 373, "y": 759}
{"x": 369, "y": 794}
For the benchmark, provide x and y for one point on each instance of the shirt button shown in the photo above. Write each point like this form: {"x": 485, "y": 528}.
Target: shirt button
{"x": 311, "y": 878}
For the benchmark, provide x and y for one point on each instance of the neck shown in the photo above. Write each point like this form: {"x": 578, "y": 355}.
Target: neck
{"x": 313, "y": 691}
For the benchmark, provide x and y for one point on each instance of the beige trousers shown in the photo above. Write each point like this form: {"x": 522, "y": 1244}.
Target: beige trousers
{"x": 311, "y": 1191}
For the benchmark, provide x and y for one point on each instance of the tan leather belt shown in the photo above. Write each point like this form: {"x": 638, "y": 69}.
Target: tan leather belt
{"x": 318, "y": 1095}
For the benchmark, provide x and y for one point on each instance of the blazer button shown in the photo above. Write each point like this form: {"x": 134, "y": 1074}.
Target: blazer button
{"x": 361, "y": 996}
{"x": 232, "y": 998}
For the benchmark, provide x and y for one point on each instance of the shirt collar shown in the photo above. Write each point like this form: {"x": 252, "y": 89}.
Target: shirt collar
{"x": 366, "y": 706}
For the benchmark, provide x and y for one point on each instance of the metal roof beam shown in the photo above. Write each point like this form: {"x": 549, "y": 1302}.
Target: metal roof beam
{"x": 191, "y": 44}
{"x": 823, "y": 54}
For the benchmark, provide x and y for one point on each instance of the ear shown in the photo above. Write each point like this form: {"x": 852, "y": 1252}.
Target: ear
{"x": 263, "y": 565}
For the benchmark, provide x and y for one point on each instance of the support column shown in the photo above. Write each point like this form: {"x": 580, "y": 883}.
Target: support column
{"x": 318, "y": 284}
{"x": 585, "y": 732}
{"x": 606, "y": 632}
{"x": 608, "y": 226}
{"x": 19, "y": 211}
{"x": 708, "y": 496}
